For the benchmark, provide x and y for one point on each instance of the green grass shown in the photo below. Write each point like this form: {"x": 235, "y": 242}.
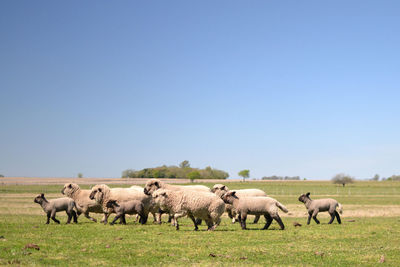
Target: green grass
{"x": 359, "y": 243}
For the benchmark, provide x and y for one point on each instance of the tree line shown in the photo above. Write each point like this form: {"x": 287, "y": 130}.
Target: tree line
{"x": 275, "y": 177}
{"x": 184, "y": 171}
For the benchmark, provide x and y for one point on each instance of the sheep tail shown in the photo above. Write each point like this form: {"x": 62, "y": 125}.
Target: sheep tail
{"x": 282, "y": 207}
{"x": 340, "y": 208}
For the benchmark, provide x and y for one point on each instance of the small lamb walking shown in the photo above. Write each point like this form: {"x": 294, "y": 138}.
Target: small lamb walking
{"x": 317, "y": 205}
{"x": 51, "y": 207}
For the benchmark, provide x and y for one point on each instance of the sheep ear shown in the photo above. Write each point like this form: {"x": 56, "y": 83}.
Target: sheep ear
{"x": 99, "y": 190}
{"x": 156, "y": 184}
{"x": 233, "y": 193}
{"x": 308, "y": 194}
{"x": 70, "y": 186}
{"x": 41, "y": 195}
{"x": 164, "y": 193}
{"x": 223, "y": 188}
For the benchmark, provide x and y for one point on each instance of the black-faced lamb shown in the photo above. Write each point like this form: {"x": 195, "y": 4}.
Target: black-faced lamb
{"x": 51, "y": 207}
{"x": 320, "y": 205}
{"x": 220, "y": 190}
{"x": 266, "y": 206}
{"x": 82, "y": 201}
{"x": 127, "y": 207}
{"x": 194, "y": 204}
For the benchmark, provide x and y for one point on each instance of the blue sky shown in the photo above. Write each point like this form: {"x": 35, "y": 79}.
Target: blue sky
{"x": 304, "y": 88}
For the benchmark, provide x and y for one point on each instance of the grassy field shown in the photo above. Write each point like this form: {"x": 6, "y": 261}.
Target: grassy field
{"x": 365, "y": 237}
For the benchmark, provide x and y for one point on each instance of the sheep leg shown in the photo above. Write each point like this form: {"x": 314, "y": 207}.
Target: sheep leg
{"x": 243, "y": 218}
{"x": 209, "y": 223}
{"x": 90, "y": 218}
{"x": 143, "y": 218}
{"x": 105, "y": 218}
{"x": 116, "y": 218}
{"x": 75, "y": 216}
{"x": 279, "y": 221}
{"x": 194, "y": 222}
{"x": 332, "y": 217}
{"x": 69, "y": 217}
{"x": 170, "y": 218}
{"x": 268, "y": 221}
{"x": 315, "y": 217}
{"x": 256, "y": 219}
{"x": 309, "y": 218}
{"x": 48, "y": 218}
{"x": 53, "y": 217}
{"x": 338, "y": 217}
{"x": 230, "y": 215}
{"x": 176, "y": 216}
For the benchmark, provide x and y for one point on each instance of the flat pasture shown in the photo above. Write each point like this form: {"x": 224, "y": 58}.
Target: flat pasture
{"x": 368, "y": 236}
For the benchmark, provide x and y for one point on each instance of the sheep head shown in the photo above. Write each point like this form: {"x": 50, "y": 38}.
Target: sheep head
{"x": 229, "y": 197}
{"x": 303, "y": 198}
{"x": 151, "y": 186}
{"x": 111, "y": 204}
{"x": 160, "y": 197}
{"x": 219, "y": 189}
{"x": 98, "y": 192}
{"x": 69, "y": 189}
{"x": 39, "y": 198}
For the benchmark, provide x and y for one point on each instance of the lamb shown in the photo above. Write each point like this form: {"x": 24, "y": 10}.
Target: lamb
{"x": 203, "y": 205}
{"x": 266, "y": 206}
{"x": 82, "y": 201}
{"x": 51, "y": 207}
{"x": 154, "y": 184}
{"x": 126, "y": 207}
{"x": 102, "y": 194}
{"x": 220, "y": 190}
{"x": 317, "y": 205}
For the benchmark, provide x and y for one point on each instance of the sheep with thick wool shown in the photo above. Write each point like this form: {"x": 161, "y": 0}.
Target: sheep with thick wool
{"x": 51, "y": 207}
{"x": 220, "y": 190}
{"x": 102, "y": 194}
{"x": 154, "y": 184}
{"x": 194, "y": 204}
{"x": 317, "y": 205}
{"x": 266, "y": 206}
{"x": 81, "y": 197}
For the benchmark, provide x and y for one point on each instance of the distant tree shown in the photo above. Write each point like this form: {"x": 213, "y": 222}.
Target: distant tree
{"x": 394, "y": 178}
{"x": 1, "y": 175}
{"x": 80, "y": 175}
{"x": 244, "y": 174}
{"x": 342, "y": 179}
{"x": 376, "y": 177}
{"x": 184, "y": 164}
{"x": 193, "y": 176}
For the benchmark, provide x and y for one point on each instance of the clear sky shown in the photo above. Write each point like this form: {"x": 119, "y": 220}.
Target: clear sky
{"x": 308, "y": 88}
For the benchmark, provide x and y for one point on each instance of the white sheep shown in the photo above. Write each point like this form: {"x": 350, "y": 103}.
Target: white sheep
{"x": 102, "y": 194}
{"x": 316, "y": 205}
{"x": 220, "y": 190}
{"x": 266, "y": 206}
{"x": 195, "y": 204}
{"x": 51, "y": 207}
{"x": 154, "y": 184}
{"x": 82, "y": 201}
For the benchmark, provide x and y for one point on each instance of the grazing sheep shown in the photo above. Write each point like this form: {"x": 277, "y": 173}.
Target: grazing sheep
{"x": 195, "y": 204}
{"x": 154, "y": 184}
{"x": 220, "y": 190}
{"x": 317, "y": 205}
{"x": 102, "y": 194}
{"x": 82, "y": 201}
{"x": 51, "y": 207}
{"x": 266, "y": 206}
{"x": 126, "y": 207}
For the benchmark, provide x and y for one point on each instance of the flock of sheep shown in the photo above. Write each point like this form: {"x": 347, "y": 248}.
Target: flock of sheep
{"x": 197, "y": 202}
